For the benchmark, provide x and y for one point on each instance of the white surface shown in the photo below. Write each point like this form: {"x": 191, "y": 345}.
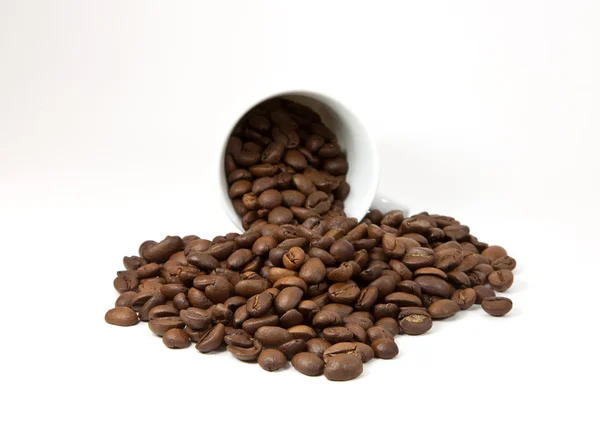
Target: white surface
{"x": 487, "y": 111}
{"x": 354, "y": 139}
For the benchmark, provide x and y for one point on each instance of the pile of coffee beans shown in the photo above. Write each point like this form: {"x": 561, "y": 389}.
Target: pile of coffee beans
{"x": 290, "y": 168}
{"x": 304, "y": 283}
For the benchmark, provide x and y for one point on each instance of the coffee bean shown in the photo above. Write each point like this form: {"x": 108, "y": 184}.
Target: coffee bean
{"x": 344, "y": 293}
{"x": 443, "y": 309}
{"x": 464, "y": 298}
{"x": 343, "y": 367}
{"x": 403, "y": 299}
{"x": 415, "y": 324}
{"x": 212, "y": 339}
{"x": 492, "y": 253}
{"x": 317, "y": 346}
{"x": 161, "y": 325}
{"x": 313, "y": 271}
{"x": 433, "y": 285}
{"x": 483, "y": 292}
{"x": 385, "y": 310}
{"x": 126, "y": 281}
{"x": 326, "y": 318}
{"x": 496, "y": 306}
{"x": 335, "y": 334}
{"x": 121, "y": 316}
{"x": 176, "y": 338}
{"x": 308, "y": 363}
{"x": 195, "y": 318}
{"x": 448, "y": 259}
{"x": 258, "y": 305}
{"x": 125, "y": 299}
{"x": 416, "y": 258}
{"x": 294, "y": 258}
{"x": 390, "y": 324}
{"x": 504, "y": 263}
{"x": 385, "y": 348}
{"x": 501, "y": 280}
{"x": 288, "y": 299}
{"x": 246, "y": 354}
{"x": 162, "y": 311}
{"x": 271, "y": 360}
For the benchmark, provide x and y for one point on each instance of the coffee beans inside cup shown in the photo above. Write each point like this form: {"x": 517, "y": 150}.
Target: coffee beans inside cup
{"x": 304, "y": 283}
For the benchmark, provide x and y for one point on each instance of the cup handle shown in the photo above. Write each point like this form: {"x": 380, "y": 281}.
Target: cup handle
{"x": 386, "y": 204}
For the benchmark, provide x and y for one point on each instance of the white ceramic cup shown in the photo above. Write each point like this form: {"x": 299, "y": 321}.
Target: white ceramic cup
{"x": 361, "y": 151}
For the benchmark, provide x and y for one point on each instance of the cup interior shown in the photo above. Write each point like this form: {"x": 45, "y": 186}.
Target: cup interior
{"x": 361, "y": 151}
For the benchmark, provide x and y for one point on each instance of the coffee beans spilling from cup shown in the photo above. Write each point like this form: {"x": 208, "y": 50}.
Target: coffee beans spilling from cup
{"x": 304, "y": 283}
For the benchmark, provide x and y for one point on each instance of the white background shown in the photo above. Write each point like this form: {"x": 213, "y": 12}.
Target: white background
{"x": 111, "y": 113}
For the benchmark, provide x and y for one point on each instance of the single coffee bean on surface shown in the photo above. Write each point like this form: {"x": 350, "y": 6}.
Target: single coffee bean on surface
{"x": 308, "y": 364}
{"x": 385, "y": 348}
{"x": 176, "y": 338}
{"x": 121, "y": 316}
{"x": 271, "y": 360}
{"x": 496, "y": 306}
{"x": 343, "y": 367}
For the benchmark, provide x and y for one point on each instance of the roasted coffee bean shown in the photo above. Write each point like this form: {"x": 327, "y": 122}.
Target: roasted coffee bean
{"x": 343, "y": 367}
{"x": 160, "y": 252}
{"x": 464, "y": 298}
{"x": 198, "y": 299}
{"x": 212, "y": 339}
{"x": 202, "y": 260}
{"x": 125, "y": 299}
{"x": 483, "y": 292}
{"x": 308, "y": 364}
{"x": 504, "y": 263}
{"x": 220, "y": 314}
{"x": 176, "y": 338}
{"x": 342, "y": 250}
{"x": 367, "y": 298}
{"x": 501, "y": 280}
{"x": 448, "y": 259}
{"x": 443, "y": 309}
{"x": 385, "y": 285}
{"x": 459, "y": 279}
{"x": 401, "y": 269}
{"x": 415, "y": 324}
{"x": 133, "y": 262}
{"x": 126, "y": 281}
{"x": 326, "y": 318}
{"x": 281, "y": 215}
{"x": 252, "y": 325}
{"x": 375, "y": 332}
{"x": 271, "y": 360}
{"x": 390, "y": 324}
{"x": 496, "y": 306}
{"x": 433, "y": 285}
{"x": 238, "y": 338}
{"x": 486, "y": 269}
{"x": 313, "y": 271}
{"x": 258, "y": 305}
{"x": 121, "y": 316}
{"x": 385, "y": 310}
{"x": 431, "y": 271}
{"x": 250, "y": 287}
{"x": 288, "y": 299}
{"x": 341, "y": 309}
{"x": 161, "y": 325}
{"x": 385, "y": 348}
{"x": 162, "y": 311}
{"x": 195, "y": 318}
{"x": 492, "y": 253}
{"x": 344, "y": 293}
{"x": 403, "y": 299}
{"x": 294, "y": 258}
{"x": 302, "y": 332}
{"x": 317, "y": 346}
{"x": 335, "y": 334}
{"x": 293, "y": 347}
{"x": 246, "y": 354}
{"x": 409, "y": 286}
{"x": 416, "y": 258}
